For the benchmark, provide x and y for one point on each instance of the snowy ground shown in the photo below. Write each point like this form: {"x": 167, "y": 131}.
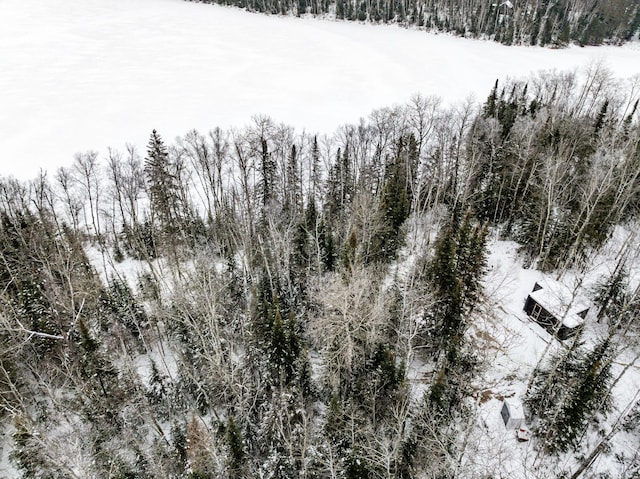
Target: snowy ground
{"x": 92, "y": 74}
{"x": 513, "y": 344}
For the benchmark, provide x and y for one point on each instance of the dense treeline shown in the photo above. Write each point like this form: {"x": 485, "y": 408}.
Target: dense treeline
{"x": 529, "y": 22}
{"x": 270, "y": 293}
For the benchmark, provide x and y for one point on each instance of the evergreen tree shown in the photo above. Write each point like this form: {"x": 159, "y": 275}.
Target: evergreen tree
{"x": 340, "y": 187}
{"x": 300, "y": 255}
{"x": 120, "y": 303}
{"x": 610, "y": 293}
{"x": 311, "y": 217}
{"x": 235, "y": 444}
{"x": 395, "y": 205}
{"x": 293, "y": 193}
{"x": 327, "y": 246}
{"x": 600, "y": 119}
{"x": 163, "y": 186}
{"x": 276, "y": 336}
{"x": 315, "y": 177}
{"x": 490, "y": 105}
{"x": 455, "y": 272}
{"x": 378, "y": 384}
{"x": 267, "y": 174}
{"x": 568, "y": 393}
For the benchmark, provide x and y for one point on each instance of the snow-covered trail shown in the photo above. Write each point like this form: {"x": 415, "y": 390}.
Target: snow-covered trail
{"x": 78, "y": 75}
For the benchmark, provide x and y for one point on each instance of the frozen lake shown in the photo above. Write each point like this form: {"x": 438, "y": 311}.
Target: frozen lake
{"x": 78, "y": 75}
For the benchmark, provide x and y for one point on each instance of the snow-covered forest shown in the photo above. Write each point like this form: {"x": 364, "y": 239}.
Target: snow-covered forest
{"x": 266, "y": 302}
{"x": 531, "y": 22}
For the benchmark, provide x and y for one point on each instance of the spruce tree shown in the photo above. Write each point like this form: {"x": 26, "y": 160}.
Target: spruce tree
{"x": 569, "y": 393}
{"x": 490, "y": 105}
{"x": 300, "y": 253}
{"x": 610, "y": 293}
{"x": 326, "y": 242}
{"x": 275, "y": 336}
{"x": 235, "y": 444}
{"x": 267, "y": 174}
{"x": 395, "y": 205}
{"x": 162, "y": 181}
{"x": 166, "y": 201}
{"x": 293, "y": 194}
{"x": 455, "y": 273}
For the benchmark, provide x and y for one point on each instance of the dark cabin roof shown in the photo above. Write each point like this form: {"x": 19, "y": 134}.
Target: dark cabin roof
{"x": 560, "y": 301}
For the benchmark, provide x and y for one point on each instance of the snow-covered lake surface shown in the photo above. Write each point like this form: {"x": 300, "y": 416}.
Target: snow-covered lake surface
{"x": 79, "y": 75}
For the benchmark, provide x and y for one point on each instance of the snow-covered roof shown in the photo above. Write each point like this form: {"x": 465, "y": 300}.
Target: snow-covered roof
{"x": 560, "y": 301}
{"x": 516, "y": 411}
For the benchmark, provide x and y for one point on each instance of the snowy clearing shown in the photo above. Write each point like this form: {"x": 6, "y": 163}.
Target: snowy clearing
{"x": 91, "y": 74}
{"x": 519, "y": 343}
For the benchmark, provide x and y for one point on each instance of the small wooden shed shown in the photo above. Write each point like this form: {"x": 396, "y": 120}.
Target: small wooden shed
{"x": 512, "y": 414}
{"x": 556, "y": 309}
